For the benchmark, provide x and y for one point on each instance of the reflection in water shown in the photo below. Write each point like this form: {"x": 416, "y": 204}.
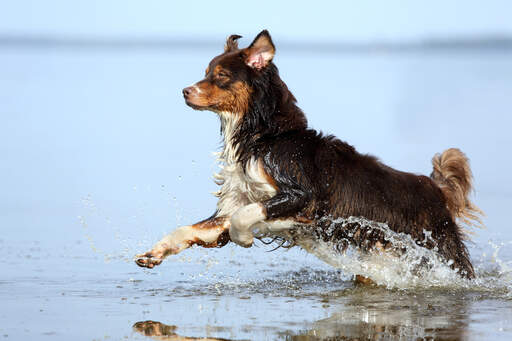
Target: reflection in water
{"x": 385, "y": 324}
{"x": 367, "y": 314}
{"x": 379, "y": 314}
{"x": 160, "y": 331}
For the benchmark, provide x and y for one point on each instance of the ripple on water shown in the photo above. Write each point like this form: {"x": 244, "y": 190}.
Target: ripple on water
{"x": 407, "y": 271}
{"x": 403, "y": 272}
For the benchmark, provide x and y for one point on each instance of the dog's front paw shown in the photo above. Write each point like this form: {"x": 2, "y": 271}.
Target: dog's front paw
{"x": 149, "y": 259}
{"x": 154, "y": 328}
{"x": 241, "y": 237}
{"x": 240, "y": 230}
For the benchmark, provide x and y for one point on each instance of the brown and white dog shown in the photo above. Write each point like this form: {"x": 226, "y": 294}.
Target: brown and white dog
{"x": 282, "y": 179}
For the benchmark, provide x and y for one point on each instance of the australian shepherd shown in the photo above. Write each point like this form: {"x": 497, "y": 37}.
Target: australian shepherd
{"x": 281, "y": 179}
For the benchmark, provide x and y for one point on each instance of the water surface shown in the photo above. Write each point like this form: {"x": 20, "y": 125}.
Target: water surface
{"x": 100, "y": 158}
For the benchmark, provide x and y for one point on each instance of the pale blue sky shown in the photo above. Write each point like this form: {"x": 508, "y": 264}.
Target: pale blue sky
{"x": 327, "y": 20}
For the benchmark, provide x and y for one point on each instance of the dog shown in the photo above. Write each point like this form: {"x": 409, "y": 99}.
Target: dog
{"x": 281, "y": 179}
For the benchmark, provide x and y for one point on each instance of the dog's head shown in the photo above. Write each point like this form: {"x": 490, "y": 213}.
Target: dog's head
{"x": 229, "y": 78}
{"x": 243, "y": 86}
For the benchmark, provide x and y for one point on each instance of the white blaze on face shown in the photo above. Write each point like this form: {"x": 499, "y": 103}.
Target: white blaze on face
{"x": 197, "y": 88}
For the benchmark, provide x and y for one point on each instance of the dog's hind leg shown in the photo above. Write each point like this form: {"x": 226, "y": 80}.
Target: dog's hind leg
{"x": 381, "y": 251}
{"x": 212, "y": 232}
{"x": 361, "y": 280}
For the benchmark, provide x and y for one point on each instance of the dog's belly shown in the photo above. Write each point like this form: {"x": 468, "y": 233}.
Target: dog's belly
{"x": 241, "y": 188}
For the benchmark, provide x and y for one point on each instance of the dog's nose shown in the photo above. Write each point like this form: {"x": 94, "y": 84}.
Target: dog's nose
{"x": 187, "y": 91}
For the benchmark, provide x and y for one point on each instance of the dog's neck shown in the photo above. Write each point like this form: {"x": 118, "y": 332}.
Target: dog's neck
{"x": 229, "y": 124}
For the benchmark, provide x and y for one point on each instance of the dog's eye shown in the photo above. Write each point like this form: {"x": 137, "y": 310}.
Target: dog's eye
{"x": 223, "y": 74}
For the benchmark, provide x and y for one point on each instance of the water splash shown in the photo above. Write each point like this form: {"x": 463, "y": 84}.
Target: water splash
{"x": 494, "y": 272}
{"x": 96, "y": 223}
{"x": 416, "y": 267}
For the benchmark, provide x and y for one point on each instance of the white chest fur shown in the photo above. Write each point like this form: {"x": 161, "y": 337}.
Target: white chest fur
{"x": 239, "y": 188}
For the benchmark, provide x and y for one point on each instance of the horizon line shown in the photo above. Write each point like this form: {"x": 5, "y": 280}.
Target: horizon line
{"x": 474, "y": 42}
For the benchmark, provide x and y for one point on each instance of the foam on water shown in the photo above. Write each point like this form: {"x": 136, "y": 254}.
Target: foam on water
{"x": 416, "y": 267}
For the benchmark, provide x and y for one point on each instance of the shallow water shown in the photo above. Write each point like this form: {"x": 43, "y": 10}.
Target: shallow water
{"x": 216, "y": 294}
{"x": 101, "y": 158}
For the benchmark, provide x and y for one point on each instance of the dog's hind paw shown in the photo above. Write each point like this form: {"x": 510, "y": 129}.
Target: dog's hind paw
{"x": 147, "y": 260}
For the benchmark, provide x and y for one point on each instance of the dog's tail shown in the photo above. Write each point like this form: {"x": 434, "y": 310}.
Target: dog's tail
{"x": 453, "y": 175}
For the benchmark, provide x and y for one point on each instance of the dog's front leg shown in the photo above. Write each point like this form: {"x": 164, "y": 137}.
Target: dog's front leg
{"x": 212, "y": 232}
{"x": 282, "y": 205}
{"x": 242, "y": 220}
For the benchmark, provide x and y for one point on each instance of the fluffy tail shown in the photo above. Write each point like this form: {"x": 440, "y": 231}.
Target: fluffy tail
{"x": 453, "y": 175}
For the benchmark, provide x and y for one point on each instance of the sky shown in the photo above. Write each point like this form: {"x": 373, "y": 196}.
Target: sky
{"x": 362, "y": 20}
{"x": 111, "y": 125}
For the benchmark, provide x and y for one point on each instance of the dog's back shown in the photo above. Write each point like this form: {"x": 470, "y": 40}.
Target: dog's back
{"x": 345, "y": 183}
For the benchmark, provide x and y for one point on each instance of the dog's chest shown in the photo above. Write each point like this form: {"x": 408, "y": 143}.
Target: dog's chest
{"x": 241, "y": 188}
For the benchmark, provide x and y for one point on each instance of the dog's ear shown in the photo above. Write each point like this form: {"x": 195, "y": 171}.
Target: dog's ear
{"x": 231, "y": 43}
{"x": 261, "y": 51}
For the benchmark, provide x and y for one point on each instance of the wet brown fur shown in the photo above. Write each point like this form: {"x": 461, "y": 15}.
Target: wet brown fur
{"x": 212, "y": 223}
{"x": 220, "y": 242}
{"x": 453, "y": 175}
{"x": 235, "y": 100}
{"x": 267, "y": 176}
{"x": 322, "y": 176}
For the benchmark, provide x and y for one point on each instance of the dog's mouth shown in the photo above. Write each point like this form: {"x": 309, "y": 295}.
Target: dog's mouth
{"x": 197, "y": 103}
{"x": 193, "y": 100}
{"x": 194, "y": 105}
